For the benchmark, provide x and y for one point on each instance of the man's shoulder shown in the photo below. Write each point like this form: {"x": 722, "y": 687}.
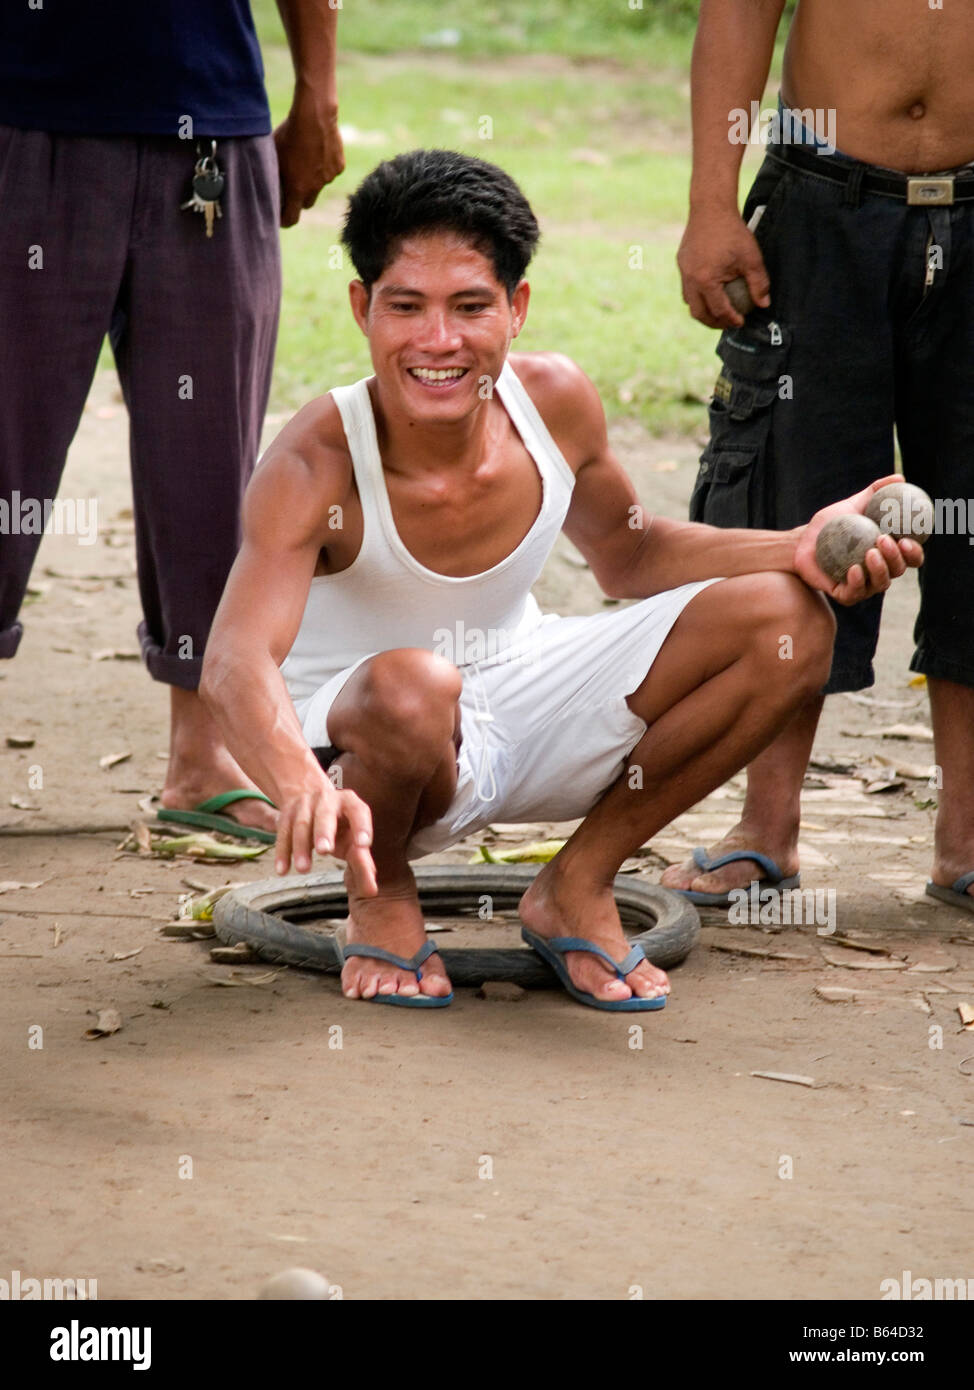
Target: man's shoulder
{"x": 304, "y": 473}
{"x": 313, "y": 441}
{"x": 566, "y": 399}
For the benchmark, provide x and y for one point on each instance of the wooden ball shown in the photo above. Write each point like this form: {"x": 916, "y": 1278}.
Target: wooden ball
{"x": 843, "y": 542}
{"x": 739, "y": 295}
{"x": 902, "y": 511}
{"x": 296, "y": 1284}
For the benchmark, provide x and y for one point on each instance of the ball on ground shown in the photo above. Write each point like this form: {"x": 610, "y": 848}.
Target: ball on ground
{"x": 843, "y": 542}
{"x": 296, "y": 1283}
{"x": 903, "y": 511}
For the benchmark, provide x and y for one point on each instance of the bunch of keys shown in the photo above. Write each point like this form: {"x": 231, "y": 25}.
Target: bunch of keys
{"x": 208, "y": 184}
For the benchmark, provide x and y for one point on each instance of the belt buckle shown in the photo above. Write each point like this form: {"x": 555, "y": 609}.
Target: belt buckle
{"x": 931, "y": 193}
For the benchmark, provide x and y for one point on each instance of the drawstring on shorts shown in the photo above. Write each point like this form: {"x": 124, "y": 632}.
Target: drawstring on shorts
{"x": 484, "y": 719}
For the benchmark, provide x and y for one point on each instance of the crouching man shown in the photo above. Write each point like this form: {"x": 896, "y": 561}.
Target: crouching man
{"x": 378, "y": 663}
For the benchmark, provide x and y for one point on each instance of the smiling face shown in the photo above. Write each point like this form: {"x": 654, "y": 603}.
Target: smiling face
{"x": 439, "y": 323}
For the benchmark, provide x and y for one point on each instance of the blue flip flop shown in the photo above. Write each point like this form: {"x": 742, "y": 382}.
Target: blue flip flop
{"x": 957, "y": 894}
{"x": 773, "y": 878}
{"x": 405, "y": 1001}
{"x": 552, "y": 949}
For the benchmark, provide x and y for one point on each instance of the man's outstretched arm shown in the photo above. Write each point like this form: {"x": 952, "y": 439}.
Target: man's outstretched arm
{"x": 731, "y": 59}
{"x": 254, "y": 629}
{"x": 634, "y": 554}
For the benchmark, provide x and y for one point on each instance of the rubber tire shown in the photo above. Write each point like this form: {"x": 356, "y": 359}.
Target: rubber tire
{"x": 266, "y": 915}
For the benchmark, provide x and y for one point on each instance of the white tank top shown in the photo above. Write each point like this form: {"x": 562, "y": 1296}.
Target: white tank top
{"x": 387, "y": 599}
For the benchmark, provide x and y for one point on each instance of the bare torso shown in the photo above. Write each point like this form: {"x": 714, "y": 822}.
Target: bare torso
{"x": 898, "y": 74}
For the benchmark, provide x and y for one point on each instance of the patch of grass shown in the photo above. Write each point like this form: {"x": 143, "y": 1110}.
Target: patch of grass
{"x": 586, "y": 104}
{"x": 614, "y": 29}
{"x": 604, "y": 158}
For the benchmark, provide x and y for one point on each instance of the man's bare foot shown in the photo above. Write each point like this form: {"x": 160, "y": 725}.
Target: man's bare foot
{"x": 395, "y": 924}
{"x": 553, "y": 906}
{"x": 743, "y": 872}
{"x": 200, "y": 765}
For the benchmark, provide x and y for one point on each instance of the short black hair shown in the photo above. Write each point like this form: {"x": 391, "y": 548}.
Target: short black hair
{"x": 432, "y": 190}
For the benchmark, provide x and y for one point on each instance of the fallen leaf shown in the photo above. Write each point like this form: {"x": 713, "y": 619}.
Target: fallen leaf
{"x": 16, "y": 741}
{"x": 109, "y": 1021}
{"x": 20, "y": 804}
{"x": 790, "y": 1077}
{"x": 966, "y": 1014}
{"x": 874, "y": 787}
{"x": 115, "y": 653}
{"x": 838, "y": 994}
{"x": 203, "y": 848}
{"x": 201, "y": 909}
{"x": 58, "y": 936}
{"x": 850, "y": 964}
{"x": 112, "y": 759}
{"x": 854, "y": 945}
{"x": 187, "y": 930}
{"x": 539, "y": 852}
{"x": 233, "y": 980}
{"x": 10, "y": 885}
{"x": 755, "y": 951}
{"x": 900, "y": 768}
{"x": 127, "y": 955}
{"x": 230, "y": 955}
{"x": 921, "y": 732}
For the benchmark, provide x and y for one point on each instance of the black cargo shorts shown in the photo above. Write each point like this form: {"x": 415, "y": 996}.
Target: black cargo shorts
{"x": 870, "y": 330}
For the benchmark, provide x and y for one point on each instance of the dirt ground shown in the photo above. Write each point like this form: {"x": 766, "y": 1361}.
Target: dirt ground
{"x": 495, "y": 1150}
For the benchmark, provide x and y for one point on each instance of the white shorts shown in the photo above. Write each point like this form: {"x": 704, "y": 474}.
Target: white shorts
{"x": 545, "y": 724}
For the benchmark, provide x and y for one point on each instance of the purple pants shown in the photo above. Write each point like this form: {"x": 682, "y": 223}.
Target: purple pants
{"x": 192, "y": 323}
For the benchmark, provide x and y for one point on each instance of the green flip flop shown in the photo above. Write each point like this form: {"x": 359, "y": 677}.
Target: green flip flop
{"x": 206, "y": 816}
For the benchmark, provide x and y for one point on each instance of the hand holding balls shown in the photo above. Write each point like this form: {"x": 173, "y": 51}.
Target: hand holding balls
{"x": 899, "y": 510}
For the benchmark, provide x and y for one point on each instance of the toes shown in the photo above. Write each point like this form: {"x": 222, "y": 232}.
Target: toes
{"x": 436, "y": 985}
{"x": 594, "y": 979}
{"x": 648, "y": 985}
{"x": 365, "y": 984}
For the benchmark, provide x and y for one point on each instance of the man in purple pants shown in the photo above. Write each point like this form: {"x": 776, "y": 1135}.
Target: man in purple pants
{"x": 106, "y": 112}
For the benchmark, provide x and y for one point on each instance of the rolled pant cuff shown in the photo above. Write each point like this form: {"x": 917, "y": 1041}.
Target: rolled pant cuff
{"x": 928, "y": 663}
{"x": 183, "y": 672}
{"x": 859, "y": 678}
{"x": 10, "y": 640}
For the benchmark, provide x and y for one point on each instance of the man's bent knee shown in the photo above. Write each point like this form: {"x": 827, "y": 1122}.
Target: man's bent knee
{"x": 400, "y": 707}
{"x": 799, "y": 630}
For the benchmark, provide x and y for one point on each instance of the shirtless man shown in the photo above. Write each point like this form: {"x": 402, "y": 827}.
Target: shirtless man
{"x": 378, "y": 622}
{"x": 871, "y": 281}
